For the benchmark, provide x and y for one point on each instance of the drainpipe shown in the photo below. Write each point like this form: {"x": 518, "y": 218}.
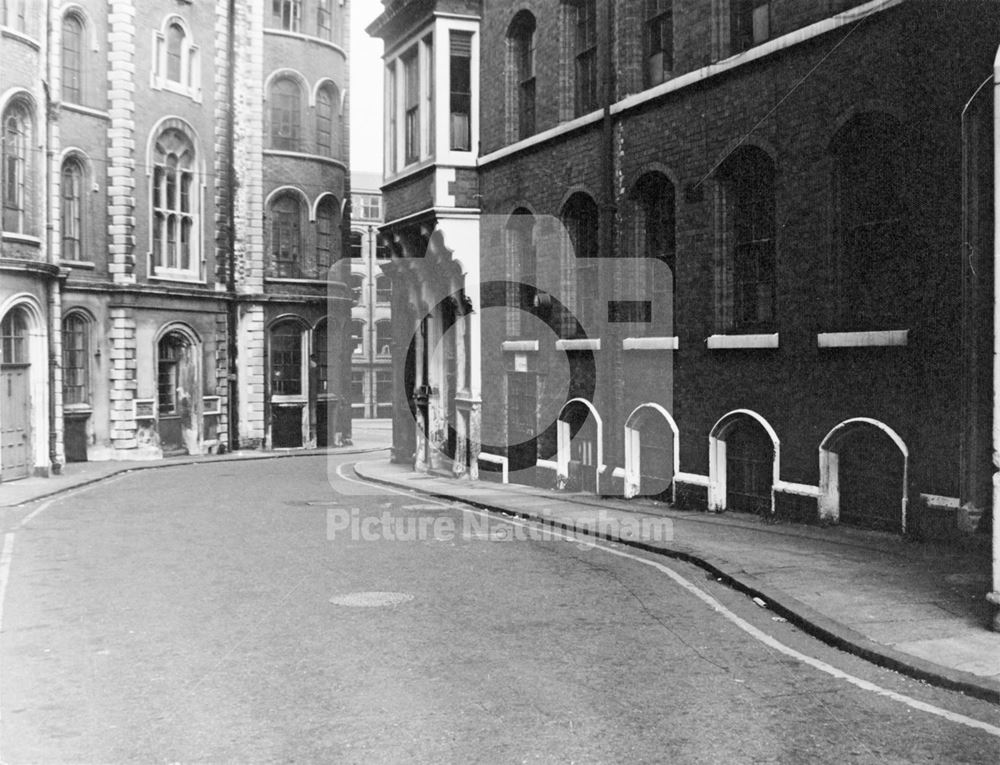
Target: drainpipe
{"x": 994, "y": 595}
{"x": 232, "y": 307}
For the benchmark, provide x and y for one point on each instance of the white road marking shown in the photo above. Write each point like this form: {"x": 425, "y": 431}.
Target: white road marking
{"x": 744, "y": 625}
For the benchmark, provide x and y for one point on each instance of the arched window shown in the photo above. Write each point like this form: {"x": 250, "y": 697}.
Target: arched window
{"x": 871, "y": 235}
{"x": 654, "y": 239}
{"x": 286, "y": 114}
{"x": 747, "y": 237}
{"x": 383, "y": 337}
{"x": 357, "y": 337}
{"x": 176, "y": 62}
{"x": 175, "y": 195}
{"x": 327, "y": 233}
{"x": 72, "y": 209}
{"x": 327, "y": 135}
{"x": 286, "y": 359}
{"x": 175, "y": 48}
{"x": 76, "y": 359}
{"x": 383, "y": 289}
{"x": 72, "y": 59}
{"x": 579, "y": 274}
{"x": 171, "y": 352}
{"x": 521, "y": 48}
{"x": 17, "y": 166}
{"x": 14, "y": 337}
{"x": 286, "y": 236}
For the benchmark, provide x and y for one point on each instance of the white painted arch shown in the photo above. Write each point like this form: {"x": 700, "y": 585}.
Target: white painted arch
{"x": 633, "y": 446}
{"x": 563, "y": 442}
{"x": 717, "y": 455}
{"x": 829, "y": 467}
{"x": 38, "y": 373}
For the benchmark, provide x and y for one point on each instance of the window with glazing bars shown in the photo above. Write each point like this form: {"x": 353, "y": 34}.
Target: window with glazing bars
{"x": 287, "y": 14}
{"x": 286, "y": 359}
{"x": 750, "y": 23}
{"x": 173, "y": 202}
{"x": 72, "y": 210}
{"x": 286, "y": 115}
{"x": 286, "y": 236}
{"x": 72, "y": 59}
{"x": 659, "y": 40}
{"x": 461, "y": 90}
{"x": 75, "y": 359}
{"x": 411, "y": 94}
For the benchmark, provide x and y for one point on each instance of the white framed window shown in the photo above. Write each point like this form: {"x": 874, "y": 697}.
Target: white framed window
{"x": 176, "y": 59}
{"x": 175, "y": 201}
{"x": 73, "y": 184}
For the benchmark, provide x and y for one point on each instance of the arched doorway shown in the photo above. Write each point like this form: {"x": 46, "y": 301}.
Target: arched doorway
{"x": 178, "y": 392}
{"x": 15, "y": 395}
{"x": 288, "y": 375}
{"x": 863, "y": 469}
{"x": 651, "y": 454}
{"x": 579, "y": 446}
{"x": 743, "y": 463}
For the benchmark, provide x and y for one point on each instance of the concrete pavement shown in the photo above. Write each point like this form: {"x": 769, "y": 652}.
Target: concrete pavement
{"x": 917, "y": 608}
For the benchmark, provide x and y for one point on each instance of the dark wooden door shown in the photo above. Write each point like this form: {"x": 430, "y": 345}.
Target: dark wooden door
{"x": 656, "y": 459}
{"x": 749, "y": 469}
{"x": 870, "y": 480}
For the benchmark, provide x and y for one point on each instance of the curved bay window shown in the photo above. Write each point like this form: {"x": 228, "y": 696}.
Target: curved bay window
{"x": 747, "y": 237}
{"x": 286, "y": 236}
{"x": 871, "y": 235}
{"x": 72, "y": 209}
{"x": 175, "y": 201}
{"x": 17, "y": 166}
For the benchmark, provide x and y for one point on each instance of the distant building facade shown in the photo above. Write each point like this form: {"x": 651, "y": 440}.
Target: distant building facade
{"x": 174, "y": 185}
{"x": 371, "y": 316}
{"x": 737, "y": 266}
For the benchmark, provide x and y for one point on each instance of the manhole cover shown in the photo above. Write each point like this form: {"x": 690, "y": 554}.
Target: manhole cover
{"x": 370, "y": 599}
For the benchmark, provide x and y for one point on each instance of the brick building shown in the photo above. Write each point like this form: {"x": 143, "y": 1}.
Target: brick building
{"x": 732, "y": 245}
{"x": 174, "y": 181}
{"x": 371, "y": 316}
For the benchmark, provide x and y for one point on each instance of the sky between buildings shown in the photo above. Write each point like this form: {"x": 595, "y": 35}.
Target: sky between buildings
{"x": 365, "y": 89}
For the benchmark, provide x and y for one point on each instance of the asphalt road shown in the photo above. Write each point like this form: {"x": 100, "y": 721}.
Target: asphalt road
{"x": 272, "y": 611}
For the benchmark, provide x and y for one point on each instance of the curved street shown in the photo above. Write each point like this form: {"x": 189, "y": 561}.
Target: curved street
{"x": 280, "y": 610}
